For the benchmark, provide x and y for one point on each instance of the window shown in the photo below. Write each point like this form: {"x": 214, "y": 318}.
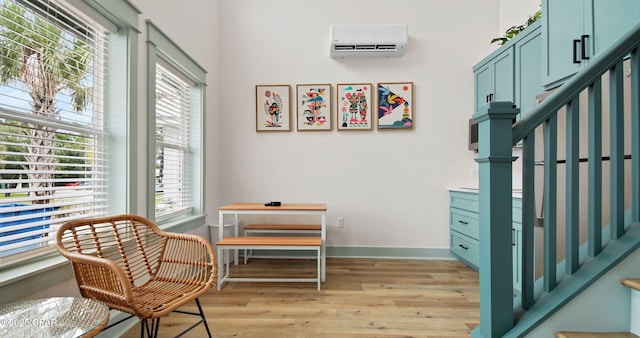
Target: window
{"x": 173, "y": 110}
{"x": 176, "y": 95}
{"x": 56, "y": 142}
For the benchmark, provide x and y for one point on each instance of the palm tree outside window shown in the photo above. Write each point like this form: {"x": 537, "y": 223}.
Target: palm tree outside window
{"x": 53, "y": 150}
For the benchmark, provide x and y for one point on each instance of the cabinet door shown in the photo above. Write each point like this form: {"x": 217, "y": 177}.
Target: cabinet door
{"x": 483, "y": 85}
{"x": 528, "y": 71}
{"x": 611, "y": 20}
{"x": 503, "y": 76}
{"x": 516, "y": 243}
{"x": 563, "y": 22}
{"x": 494, "y": 81}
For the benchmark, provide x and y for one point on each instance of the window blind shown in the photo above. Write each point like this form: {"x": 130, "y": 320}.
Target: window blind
{"x": 53, "y": 165}
{"x": 173, "y": 126}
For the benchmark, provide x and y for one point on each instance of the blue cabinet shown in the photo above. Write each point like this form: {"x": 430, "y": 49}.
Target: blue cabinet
{"x": 464, "y": 228}
{"x": 494, "y": 78}
{"x": 611, "y": 20}
{"x": 513, "y": 72}
{"x": 576, "y": 31}
{"x": 562, "y": 35}
{"x": 528, "y": 68}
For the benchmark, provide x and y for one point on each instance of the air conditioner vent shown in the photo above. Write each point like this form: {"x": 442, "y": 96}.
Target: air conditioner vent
{"x": 367, "y": 40}
{"x": 344, "y": 47}
{"x": 365, "y": 47}
{"x": 387, "y": 47}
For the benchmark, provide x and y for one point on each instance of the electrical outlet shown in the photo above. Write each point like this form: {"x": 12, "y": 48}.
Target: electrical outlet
{"x": 340, "y": 222}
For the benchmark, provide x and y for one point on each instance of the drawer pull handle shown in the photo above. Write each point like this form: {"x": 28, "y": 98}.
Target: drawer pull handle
{"x": 575, "y": 51}
{"x": 463, "y": 247}
{"x": 583, "y": 46}
{"x": 463, "y": 222}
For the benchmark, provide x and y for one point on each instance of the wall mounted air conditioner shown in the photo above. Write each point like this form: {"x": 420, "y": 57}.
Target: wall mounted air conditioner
{"x": 367, "y": 40}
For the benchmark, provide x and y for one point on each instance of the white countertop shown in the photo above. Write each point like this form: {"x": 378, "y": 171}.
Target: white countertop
{"x": 516, "y": 192}
{"x": 463, "y": 189}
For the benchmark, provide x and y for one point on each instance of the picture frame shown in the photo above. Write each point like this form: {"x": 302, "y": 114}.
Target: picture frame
{"x": 354, "y": 102}
{"x": 273, "y": 108}
{"x": 395, "y": 105}
{"x": 313, "y": 107}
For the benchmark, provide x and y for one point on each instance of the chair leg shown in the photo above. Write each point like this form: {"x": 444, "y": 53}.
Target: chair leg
{"x": 156, "y": 327}
{"x": 152, "y": 331}
{"x": 143, "y": 325}
{"x": 204, "y": 319}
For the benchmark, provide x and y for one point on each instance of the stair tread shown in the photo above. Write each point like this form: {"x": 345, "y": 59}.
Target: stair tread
{"x": 633, "y": 283}
{"x": 574, "y": 334}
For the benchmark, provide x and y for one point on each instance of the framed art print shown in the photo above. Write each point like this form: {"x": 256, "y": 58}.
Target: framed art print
{"x": 313, "y": 107}
{"x": 395, "y": 105}
{"x": 354, "y": 106}
{"x": 272, "y": 108}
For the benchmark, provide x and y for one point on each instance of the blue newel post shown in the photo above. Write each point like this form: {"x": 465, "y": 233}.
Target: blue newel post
{"x": 495, "y": 204}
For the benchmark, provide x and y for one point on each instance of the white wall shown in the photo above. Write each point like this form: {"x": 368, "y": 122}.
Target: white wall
{"x": 194, "y": 26}
{"x": 515, "y": 13}
{"x": 398, "y": 196}
{"x": 390, "y": 185}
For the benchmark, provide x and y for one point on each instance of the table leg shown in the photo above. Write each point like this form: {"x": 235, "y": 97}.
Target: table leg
{"x": 318, "y": 252}
{"x": 220, "y": 259}
{"x": 323, "y": 254}
{"x": 236, "y": 225}
{"x": 220, "y": 254}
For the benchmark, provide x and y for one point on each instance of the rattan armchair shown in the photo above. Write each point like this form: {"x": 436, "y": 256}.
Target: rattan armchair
{"x": 127, "y": 262}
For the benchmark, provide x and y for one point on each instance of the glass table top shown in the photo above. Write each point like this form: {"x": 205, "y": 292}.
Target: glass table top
{"x": 59, "y": 317}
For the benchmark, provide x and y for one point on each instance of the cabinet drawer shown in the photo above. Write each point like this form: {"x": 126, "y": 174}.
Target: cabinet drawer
{"x": 464, "y": 200}
{"x": 465, "y": 248}
{"x": 464, "y": 222}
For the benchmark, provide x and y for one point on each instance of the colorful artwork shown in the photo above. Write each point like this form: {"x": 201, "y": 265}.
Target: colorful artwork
{"x": 395, "y": 105}
{"x": 314, "y": 107}
{"x": 354, "y": 111}
{"x": 272, "y": 108}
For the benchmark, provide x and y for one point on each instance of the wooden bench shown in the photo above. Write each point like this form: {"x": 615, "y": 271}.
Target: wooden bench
{"x": 251, "y": 229}
{"x": 267, "y": 243}
{"x": 282, "y": 228}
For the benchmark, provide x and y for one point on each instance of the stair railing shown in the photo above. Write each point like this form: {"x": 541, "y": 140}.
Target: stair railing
{"x": 502, "y": 314}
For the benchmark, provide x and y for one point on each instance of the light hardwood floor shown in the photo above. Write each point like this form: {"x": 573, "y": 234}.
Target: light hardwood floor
{"x": 361, "y": 298}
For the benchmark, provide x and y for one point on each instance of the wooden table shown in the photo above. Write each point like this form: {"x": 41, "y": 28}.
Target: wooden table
{"x": 53, "y": 317}
{"x": 237, "y": 209}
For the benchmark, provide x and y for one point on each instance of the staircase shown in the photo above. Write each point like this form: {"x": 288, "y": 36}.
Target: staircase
{"x": 634, "y": 285}
{"x": 592, "y": 248}
{"x": 570, "y": 334}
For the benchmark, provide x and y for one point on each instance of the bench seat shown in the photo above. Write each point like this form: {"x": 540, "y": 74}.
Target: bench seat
{"x": 282, "y": 228}
{"x": 279, "y": 229}
{"x": 268, "y": 243}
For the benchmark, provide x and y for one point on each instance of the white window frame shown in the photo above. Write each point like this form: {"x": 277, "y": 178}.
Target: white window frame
{"x": 162, "y": 49}
{"x": 51, "y": 268}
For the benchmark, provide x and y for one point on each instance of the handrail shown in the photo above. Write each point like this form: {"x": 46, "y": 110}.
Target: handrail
{"x": 502, "y": 315}
{"x": 576, "y": 84}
